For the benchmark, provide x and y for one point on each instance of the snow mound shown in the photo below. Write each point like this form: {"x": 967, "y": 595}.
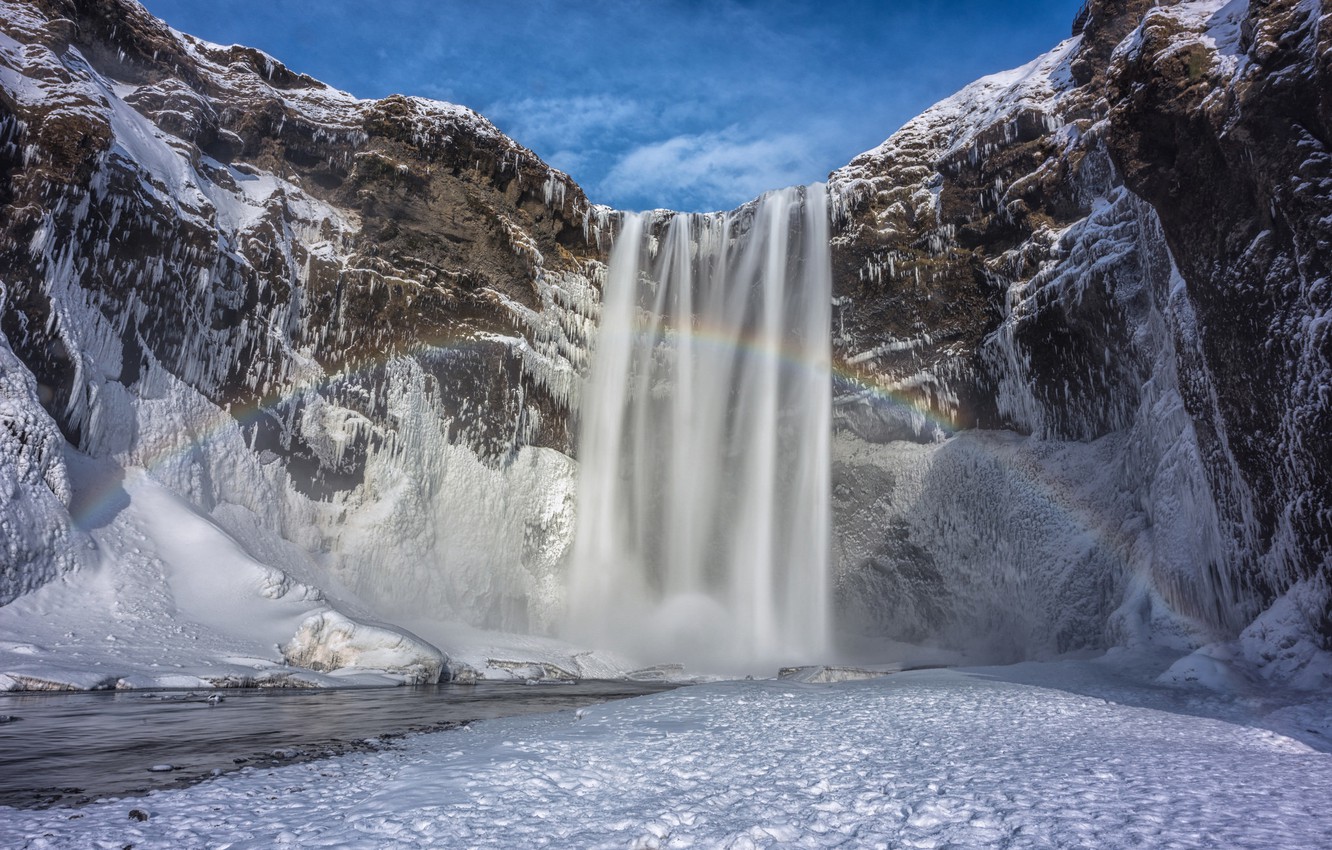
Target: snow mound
{"x": 1280, "y": 646}
{"x": 1213, "y": 666}
{"x": 328, "y": 641}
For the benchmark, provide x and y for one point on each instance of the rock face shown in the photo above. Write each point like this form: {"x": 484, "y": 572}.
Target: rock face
{"x": 1122, "y": 247}
{"x": 1081, "y": 314}
{"x": 284, "y": 300}
{"x": 1246, "y": 110}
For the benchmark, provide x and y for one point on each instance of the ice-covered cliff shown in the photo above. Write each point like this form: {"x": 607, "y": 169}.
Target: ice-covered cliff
{"x": 1118, "y": 250}
{"x": 345, "y": 332}
{"x": 1080, "y": 324}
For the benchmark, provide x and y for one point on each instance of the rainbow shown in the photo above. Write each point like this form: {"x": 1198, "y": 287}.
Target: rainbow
{"x": 102, "y": 496}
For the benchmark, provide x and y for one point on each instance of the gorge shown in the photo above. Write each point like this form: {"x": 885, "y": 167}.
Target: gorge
{"x": 292, "y": 383}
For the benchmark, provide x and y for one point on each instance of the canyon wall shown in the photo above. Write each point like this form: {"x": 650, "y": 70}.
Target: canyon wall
{"x": 1080, "y": 322}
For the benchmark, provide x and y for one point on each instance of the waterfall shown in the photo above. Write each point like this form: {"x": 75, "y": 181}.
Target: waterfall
{"x": 703, "y": 514}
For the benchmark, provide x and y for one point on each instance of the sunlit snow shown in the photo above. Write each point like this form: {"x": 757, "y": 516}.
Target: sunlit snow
{"x": 1070, "y": 754}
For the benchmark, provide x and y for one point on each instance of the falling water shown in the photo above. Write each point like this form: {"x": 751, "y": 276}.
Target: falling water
{"x": 703, "y": 491}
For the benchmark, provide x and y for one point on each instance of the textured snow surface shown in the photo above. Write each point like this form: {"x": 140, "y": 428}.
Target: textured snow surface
{"x": 1069, "y": 754}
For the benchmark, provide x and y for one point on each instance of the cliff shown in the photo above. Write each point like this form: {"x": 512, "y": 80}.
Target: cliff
{"x": 249, "y": 283}
{"x": 1080, "y": 316}
{"x": 1119, "y": 250}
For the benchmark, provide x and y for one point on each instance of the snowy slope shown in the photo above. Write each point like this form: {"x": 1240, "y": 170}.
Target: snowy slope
{"x": 218, "y": 285}
{"x": 168, "y": 599}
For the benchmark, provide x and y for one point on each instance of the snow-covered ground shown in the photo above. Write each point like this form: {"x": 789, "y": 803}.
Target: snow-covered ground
{"x": 1058, "y": 754}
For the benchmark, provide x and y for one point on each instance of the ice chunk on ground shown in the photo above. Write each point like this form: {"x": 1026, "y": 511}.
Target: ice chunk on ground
{"x": 328, "y": 642}
{"x": 826, "y": 674}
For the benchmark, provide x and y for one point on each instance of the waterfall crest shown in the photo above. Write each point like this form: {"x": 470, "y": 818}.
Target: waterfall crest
{"x": 703, "y": 518}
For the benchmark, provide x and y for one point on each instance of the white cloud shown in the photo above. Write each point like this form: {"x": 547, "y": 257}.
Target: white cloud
{"x": 707, "y": 167}
{"x": 570, "y": 162}
{"x": 563, "y": 123}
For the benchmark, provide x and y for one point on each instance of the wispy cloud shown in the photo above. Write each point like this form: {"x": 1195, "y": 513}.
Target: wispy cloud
{"x": 630, "y": 97}
{"x": 563, "y": 123}
{"x": 701, "y": 169}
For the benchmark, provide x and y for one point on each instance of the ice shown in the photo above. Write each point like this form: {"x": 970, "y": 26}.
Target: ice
{"x": 330, "y": 642}
{"x": 37, "y": 540}
{"x": 1063, "y": 754}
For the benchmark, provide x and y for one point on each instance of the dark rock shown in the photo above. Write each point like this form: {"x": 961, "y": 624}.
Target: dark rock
{"x": 1240, "y": 173}
{"x": 993, "y": 245}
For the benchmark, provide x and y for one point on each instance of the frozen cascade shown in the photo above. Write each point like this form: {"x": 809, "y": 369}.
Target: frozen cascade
{"x": 703, "y": 518}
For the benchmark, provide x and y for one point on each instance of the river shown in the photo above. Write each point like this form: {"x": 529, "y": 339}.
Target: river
{"x": 72, "y": 748}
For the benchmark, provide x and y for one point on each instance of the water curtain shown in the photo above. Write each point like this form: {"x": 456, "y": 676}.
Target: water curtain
{"x": 704, "y": 438}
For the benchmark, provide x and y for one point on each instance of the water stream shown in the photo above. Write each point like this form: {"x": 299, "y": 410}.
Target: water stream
{"x": 704, "y": 441}
{"x": 75, "y": 747}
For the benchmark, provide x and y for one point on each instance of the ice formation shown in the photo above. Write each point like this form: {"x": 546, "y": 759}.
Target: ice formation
{"x": 329, "y": 641}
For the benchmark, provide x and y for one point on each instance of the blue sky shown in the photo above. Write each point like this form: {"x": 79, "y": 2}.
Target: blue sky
{"x": 686, "y": 104}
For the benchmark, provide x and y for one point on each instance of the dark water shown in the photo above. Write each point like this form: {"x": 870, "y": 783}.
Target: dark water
{"x": 73, "y": 748}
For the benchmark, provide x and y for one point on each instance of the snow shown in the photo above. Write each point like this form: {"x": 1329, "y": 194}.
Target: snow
{"x": 329, "y": 641}
{"x": 966, "y": 120}
{"x": 169, "y": 598}
{"x": 1076, "y": 753}
{"x": 172, "y": 600}
{"x": 1213, "y": 23}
